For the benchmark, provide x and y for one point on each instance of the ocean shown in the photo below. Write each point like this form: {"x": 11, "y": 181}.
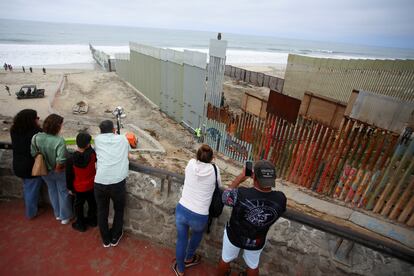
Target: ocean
{"x": 24, "y": 43}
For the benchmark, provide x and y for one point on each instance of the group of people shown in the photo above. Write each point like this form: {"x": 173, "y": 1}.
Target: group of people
{"x": 98, "y": 175}
{"x": 254, "y": 210}
{"x": 7, "y": 67}
{"x": 93, "y": 175}
{"x": 10, "y": 68}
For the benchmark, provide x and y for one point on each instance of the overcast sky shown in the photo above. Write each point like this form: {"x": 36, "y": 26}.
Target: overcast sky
{"x": 371, "y": 22}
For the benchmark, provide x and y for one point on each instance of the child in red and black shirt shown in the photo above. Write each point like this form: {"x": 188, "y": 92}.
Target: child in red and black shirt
{"x": 80, "y": 175}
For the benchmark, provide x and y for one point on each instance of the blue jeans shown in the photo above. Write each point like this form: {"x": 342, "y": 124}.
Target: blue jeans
{"x": 185, "y": 220}
{"x": 31, "y": 191}
{"x": 58, "y": 194}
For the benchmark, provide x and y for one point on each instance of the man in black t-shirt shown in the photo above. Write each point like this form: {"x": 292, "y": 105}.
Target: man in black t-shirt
{"x": 254, "y": 211}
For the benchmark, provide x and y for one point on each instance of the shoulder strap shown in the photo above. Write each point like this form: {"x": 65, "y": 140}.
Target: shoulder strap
{"x": 37, "y": 148}
{"x": 215, "y": 172}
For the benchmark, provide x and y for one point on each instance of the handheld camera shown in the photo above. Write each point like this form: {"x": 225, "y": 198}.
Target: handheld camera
{"x": 119, "y": 113}
{"x": 249, "y": 168}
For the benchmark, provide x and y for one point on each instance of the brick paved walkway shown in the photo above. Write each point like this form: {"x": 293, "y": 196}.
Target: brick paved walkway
{"x": 43, "y": 246}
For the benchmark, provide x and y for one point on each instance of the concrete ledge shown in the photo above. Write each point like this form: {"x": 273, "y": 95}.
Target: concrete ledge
{"x": 389, "y": 230}
{"x": 158, "y": 148}
{"x": 317, "y": 204}
{"x": 395, "y": 232}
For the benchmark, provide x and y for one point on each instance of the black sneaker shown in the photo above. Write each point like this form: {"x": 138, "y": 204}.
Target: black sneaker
{"x": 92, "y": 222}
{"x": 114, "y": 241}
{"x": 79, "y": 226}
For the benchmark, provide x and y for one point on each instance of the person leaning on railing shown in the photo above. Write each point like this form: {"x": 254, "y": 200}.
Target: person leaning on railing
{"x": 255, "y": 209}
{"x": 53, "y": 148}
{"x": 192, "y": 210}
{"x": 112, "y": 151}
{"x": 25, "y": 126}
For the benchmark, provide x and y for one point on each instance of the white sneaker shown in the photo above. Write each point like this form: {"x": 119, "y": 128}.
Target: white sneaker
{"x": 58, "y": 218}
{"x": 115, "y": 242}
{"x": 65, "y": 221}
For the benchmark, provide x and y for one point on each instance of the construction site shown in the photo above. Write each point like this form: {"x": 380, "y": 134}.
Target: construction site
{"x": 338, "y": 131}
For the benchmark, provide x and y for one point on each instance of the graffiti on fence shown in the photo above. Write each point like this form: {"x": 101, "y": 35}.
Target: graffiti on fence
{"x": 234, "y": 147}
{"x": 213, "y": 133}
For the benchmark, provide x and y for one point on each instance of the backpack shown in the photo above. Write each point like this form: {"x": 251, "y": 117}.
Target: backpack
{"x": 216, "y": 206}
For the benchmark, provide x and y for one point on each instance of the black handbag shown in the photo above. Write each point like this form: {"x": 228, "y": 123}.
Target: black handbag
{"x": 216, "y": 206}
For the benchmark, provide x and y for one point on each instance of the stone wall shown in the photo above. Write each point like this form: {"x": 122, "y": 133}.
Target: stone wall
{"x": 292, "y": 248}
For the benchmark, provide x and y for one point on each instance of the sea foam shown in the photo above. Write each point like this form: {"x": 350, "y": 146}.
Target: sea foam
{"x": 36, "y": 55}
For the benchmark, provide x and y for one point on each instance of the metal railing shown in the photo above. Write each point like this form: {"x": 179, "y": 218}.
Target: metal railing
{"x": 387, "y": 247}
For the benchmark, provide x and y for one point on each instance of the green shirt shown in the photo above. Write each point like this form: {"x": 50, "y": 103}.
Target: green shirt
{"x": 53, "y": 149}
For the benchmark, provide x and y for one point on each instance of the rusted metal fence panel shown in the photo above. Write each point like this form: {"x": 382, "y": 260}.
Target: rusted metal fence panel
{"x": 255, "y": 78}
{"x": 358, "y": 163}
{"x": 322, "y": 109}
{"x": 283, "y": 106}
{"x": 382, "y": 111}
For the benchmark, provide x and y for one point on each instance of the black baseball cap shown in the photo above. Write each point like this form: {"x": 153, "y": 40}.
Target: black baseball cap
{"x": 265, "y": 173}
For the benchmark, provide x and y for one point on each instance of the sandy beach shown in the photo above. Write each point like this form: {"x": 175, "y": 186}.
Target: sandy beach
{"x": 103, "y": 92}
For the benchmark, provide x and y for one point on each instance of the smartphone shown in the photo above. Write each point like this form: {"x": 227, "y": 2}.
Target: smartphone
{"x": 249, "y": 168}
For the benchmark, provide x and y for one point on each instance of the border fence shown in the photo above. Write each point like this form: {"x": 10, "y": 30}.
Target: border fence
{"x": 103, "y": 59}
{"x": 255, "y": 78}
{"x": 338, "y": 148}
{"x": 325, "y": 146}
{"x": 336, "y": 78}
{"x": 172, "y": 80}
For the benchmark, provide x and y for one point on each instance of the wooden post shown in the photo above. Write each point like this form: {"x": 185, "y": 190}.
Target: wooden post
{"x": 377, "y": 175}
{"x": 298, "y": 156}
{"x": 343, "y": 148}
{"x": 292, "y": 143}
{"x": 398, "y": 188}
{"x": 368, "y": 174}
{"x": 323, "y": 156}
{"x": 403, "y": 200}
{"x": 314, "y": 156}
{"x": 408, "y": 209}
{"x": 296, "y": 144}
{"x": 410, "y": 221}
{"x": 338, "y": 145}
{"x": 408, "y": 155}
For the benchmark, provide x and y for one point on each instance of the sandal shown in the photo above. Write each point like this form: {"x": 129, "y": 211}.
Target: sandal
{"x": 175, "y": 269}
{"x": 194, "y": 261}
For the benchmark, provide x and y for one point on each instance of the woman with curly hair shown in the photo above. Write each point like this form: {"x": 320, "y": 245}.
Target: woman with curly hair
{"x": 25, "y": 125}
{"x": 53, "y": 148}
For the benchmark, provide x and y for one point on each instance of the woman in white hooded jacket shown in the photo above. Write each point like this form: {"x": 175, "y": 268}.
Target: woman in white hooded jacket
{"x": 192, "y": 209}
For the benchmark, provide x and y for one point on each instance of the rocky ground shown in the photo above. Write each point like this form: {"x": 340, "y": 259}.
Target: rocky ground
{"x": 103, "y": 92}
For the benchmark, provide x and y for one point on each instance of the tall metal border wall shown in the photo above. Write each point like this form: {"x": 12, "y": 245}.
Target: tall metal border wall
{"x": 172, "y": 80}
{"x": 122, "y": 63}
{"x": 336, "y": 78}
{"x": 216, "y": 68}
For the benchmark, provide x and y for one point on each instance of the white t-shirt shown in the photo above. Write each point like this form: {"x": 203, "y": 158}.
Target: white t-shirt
{"x": 199, "y": 185}
{"x": 112, "y": 163}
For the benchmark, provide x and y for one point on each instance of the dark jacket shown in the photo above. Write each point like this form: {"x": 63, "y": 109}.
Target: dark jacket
{"x": 22, "y": 158}
{"x": 80, "y": 171}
